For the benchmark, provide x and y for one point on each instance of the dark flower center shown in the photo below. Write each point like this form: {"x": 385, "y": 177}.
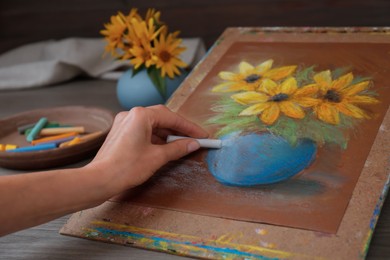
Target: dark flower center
{"x": 252, "y": 78}
{"x": 279, "y": 97}
{"x": 165, "y": 56}
{"x": 128, "y": 45}
{"x": 332, "y": 96}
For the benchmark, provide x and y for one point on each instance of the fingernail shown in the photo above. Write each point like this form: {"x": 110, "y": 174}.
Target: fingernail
{"x": 193, "y": 146}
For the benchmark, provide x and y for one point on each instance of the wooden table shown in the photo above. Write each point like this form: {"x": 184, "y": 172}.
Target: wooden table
{"x": 44, "y": 241}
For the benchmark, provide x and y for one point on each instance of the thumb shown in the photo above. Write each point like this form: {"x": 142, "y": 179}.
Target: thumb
{"x": 179, "y": 148}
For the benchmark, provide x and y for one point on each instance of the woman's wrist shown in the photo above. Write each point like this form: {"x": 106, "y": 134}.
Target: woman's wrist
{"x": 105, "y": 181}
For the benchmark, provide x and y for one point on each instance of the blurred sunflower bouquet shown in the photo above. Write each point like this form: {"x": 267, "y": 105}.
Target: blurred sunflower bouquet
{"x": 146, "y": 44}
{"x": 293, "y": 102}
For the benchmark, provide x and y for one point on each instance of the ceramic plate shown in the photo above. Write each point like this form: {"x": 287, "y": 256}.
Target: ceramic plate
{"x": 92, "y": 118}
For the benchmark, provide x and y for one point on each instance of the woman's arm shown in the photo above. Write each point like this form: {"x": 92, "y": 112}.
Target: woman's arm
{"x": 134, "y": 149}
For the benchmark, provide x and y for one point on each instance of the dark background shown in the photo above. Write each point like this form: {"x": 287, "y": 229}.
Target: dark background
{"x": 24, "y": 21}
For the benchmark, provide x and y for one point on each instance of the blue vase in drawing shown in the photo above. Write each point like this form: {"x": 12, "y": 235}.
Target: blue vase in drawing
{"x": 258, "y": 158}
{"x": 138, "y": 90}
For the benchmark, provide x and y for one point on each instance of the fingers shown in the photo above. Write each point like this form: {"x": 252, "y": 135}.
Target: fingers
{"x": 176, "y": 150}
{"x": 164, "y": 118}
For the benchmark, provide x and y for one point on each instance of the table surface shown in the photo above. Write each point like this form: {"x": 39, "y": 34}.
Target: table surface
{"x": 44, "y": 241}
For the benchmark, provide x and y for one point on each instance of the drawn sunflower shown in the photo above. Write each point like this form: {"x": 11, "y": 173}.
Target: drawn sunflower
{"x": 340, "y": 96}
{"x": 273, "y": 98}
{"x": 167, "y": 49}
{"x": 249, "y": 77}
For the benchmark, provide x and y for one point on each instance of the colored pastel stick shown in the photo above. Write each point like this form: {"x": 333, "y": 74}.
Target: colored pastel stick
{"x": 36, "y": 129}
{"x": 81, "y": 139}
{"x": 61, "y": 130}
{"x": 33, "y": 148}
{"x": 25, "y": 129}
{"x": 5, "y": 147}
{"x": 58, "y": 141}
{"x": 53, "y": 138}
{"x": 46, "y": 126}
{"x": 10, "y": 147}
{"x": 75, "y": 140}
{"x": 206, "y": 143}
{"x": 90, "y": 136}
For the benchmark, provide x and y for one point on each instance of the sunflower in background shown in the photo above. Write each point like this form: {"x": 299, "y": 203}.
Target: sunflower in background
{"x": 146, "y": 44}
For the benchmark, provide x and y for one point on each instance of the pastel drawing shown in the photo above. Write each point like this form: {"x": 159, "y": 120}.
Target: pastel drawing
{"x": 276, "y": 118}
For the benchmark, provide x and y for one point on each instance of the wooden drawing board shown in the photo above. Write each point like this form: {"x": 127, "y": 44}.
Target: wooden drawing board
{"x": 197, "y": 234}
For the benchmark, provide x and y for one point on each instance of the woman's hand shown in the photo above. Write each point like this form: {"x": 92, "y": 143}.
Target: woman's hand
{"x": 135, "y": 147}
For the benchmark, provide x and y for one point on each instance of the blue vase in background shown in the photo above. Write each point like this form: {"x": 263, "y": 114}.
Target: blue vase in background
{"x": 258, "y": 158}
{"x": 138, "y": 90}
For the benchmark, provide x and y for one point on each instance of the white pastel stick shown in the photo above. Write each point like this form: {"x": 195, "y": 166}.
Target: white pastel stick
{"x": 206, "y": 143}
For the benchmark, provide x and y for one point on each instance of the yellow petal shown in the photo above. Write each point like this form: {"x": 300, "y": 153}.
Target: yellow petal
{"x": 307, "y": 90}
{"x": 264, "y": 67}
{"x": 245, "y": 67}
{"x": 280, "y": 73}
{"x": 233, "y": 87}
{"x": 362, "y": 100}
{"x": 355, "y": 89}
{"x": 255, "y": 109}
{"x": 307, "y": 101}
{"x": 250, "y": 97}
{"x": 324, "y": 79}
{"x": 270, "y": 114}
{"x": 223, "y": 87}
{"x": 351, "y": 110}
{"x": 342, "y": 82}
{"x": 328, "y": 113}
{"x": 268, "y": 86}
{"x": 226, "y": 75}
{"x": 292, "y": 110}
{"x": 288, "y": 86}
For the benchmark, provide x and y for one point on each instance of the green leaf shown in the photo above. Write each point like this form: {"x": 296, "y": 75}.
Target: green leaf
{"x": 304, "y": 76}
{"x": 337, "y": 73}
{"x": 135, "y": 71}
{"x": 158, "y": 81}
{"x": 359, "y": 79}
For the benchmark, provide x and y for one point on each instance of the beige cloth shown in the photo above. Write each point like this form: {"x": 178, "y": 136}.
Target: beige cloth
{"x": 50, "y": 62}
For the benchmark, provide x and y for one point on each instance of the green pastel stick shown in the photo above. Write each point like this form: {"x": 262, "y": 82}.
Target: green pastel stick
{"x": 36, "y": 129}
{"x": 48, "y": 125}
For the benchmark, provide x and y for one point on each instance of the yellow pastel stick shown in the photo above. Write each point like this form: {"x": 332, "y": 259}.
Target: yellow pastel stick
{"x": 10, "y": 147}
{"x": 90, "y": 136}
{"x": 81, "y": 139}
{"x": 61, "y": 130}
{"x": 2, "y": 147}
{"x": 75, "y": 140}
{"x": 53, "y": 138}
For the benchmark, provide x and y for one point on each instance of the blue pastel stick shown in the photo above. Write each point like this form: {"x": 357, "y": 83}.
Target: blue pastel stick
{"x": 33, "y": 148}
{"x": 36, "y": 129}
